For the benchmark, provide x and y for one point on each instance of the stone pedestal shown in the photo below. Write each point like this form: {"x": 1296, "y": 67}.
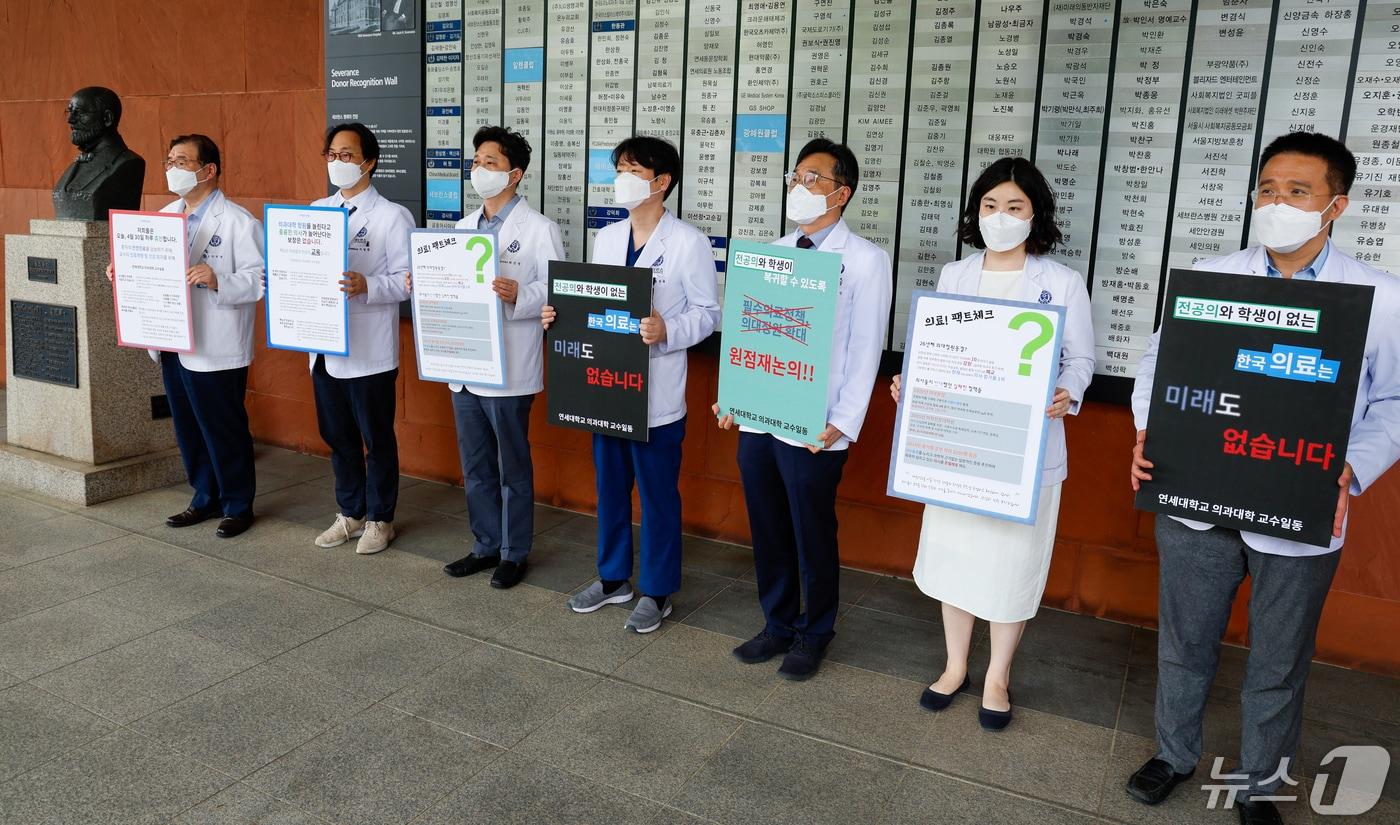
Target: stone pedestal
{"x": 87, "y": 421}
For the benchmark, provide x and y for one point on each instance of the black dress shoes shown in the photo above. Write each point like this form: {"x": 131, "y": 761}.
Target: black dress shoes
{"x": 233, "y": 525}
{"x": 1155, "y": 781}
{"x": 508, "y": 574}
{"x": 801, "y": 661}
{"x": 469, "y": 565}
{"x": 190, "y": 517}
{"x": 1259, "y": 813}
{"x": 931, "y": 699}
{"x": 762, "y": 647}
{"x": 994, "y": 719}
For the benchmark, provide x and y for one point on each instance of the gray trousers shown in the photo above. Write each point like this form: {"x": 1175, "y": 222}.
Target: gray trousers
{"x": 1200, "y": 572}
{"x": 493, "y": 438}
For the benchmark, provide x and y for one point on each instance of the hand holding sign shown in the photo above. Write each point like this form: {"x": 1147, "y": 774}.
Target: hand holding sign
{"x": 1141, "y": 465}
{"x": 353, "y": 283}
{"x": 653, "y": 328}
{"x": 506, "y": 289}
{"x": 1343, "y": 500}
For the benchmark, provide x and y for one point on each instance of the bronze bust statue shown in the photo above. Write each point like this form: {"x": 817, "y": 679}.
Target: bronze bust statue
{"x": 106, "y": 174}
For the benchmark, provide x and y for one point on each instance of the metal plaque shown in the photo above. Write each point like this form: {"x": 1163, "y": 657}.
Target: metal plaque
{"x": 45, "y": 342}
{"x": 44, "y": 270}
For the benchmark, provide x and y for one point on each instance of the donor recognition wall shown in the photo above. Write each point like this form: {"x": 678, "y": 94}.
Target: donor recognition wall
{"x": 1147, "y": 117}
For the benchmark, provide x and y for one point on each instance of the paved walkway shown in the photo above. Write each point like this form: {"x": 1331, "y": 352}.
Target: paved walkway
{"x": 158, "y": 675}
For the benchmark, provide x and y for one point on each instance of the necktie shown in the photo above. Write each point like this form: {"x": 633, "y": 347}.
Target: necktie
{"x": 352, "y": 209}
{"x": 805, "y": 242}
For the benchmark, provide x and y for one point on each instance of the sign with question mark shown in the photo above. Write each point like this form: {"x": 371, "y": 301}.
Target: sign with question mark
{"x": 457, "y": 317}
{"x": 978, "y": 376}
{"x": 482, "y": 250}
{"x": 1045, "y": 336}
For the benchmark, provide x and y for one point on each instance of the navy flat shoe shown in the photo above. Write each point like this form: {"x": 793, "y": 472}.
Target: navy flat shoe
{"x": 994, "y": 719}
{"x": 931, "y": 699}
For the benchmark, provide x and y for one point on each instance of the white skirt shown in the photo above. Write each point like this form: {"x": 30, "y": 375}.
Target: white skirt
{"x": 993, "y": 568}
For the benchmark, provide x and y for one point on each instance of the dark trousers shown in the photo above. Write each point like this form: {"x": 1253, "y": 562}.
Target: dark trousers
{"x": 356, "y": 419}
{"x": 791, "y": 497}
{"x": 211, "y": 427}
{"x": 493, "y": 438}
{"x": 1200, "y": 572}
{"x": 655, "y": 467}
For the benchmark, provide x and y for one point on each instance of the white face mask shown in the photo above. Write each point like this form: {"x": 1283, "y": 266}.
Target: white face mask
{"x": 629, "y": 190}
{"x": 1002, "y": 232}
{"x": 489, "y": 183}
{"x": 805, "y": 206}
{"x": 343, "y": 174}
{"x": 182, "y": 181}
{"x": 1285, "y": 228}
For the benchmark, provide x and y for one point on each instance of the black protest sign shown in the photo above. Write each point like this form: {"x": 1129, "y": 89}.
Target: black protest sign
{"x": 599, "y": 369}
{"x": 1252, "y": 401}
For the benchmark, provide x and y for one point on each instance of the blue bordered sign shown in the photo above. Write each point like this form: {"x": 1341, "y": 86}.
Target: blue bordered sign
{"x": 305, "y": 254}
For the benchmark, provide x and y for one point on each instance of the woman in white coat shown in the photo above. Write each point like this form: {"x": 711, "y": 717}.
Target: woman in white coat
{"x": 982, "y": 567}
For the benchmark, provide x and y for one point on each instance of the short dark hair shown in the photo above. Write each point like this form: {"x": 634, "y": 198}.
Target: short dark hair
{"x": 846, "y": 170}
{"x": 651, "y": 153}
{"x": 204, "y": 146}
{"x": 369, "y": 144}
{"x": 1045, "y": 232}
{"x": 513, "y": 144}
{"x": 1341, "y": 163}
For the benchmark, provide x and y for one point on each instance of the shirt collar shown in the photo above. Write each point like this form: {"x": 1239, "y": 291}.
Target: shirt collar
{"x": 1307, "y": 273}
{"x": 198, "y": 214}
{"x": 357, "y": 201}
{"x": 499, "y": 219}
{"x": 820, "y": 235}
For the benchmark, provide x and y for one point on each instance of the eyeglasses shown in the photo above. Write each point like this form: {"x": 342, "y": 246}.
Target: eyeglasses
{"x": 807, "y": 179}
{"x": 1292, "y": 197}
{"x": 348, "y": 157}
{"x": 183, "y": 163}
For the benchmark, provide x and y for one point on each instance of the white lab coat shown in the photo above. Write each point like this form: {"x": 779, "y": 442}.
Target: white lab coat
{"x": 526, "y": 243}
{"x": 862, "y": 316}
{"x": 684, "y": 291}
{"x": 378, "y": 237}
{"x": 1375, "y": 419}
{"x": 1046, "y": 282}
{"x": 230, "y": 241}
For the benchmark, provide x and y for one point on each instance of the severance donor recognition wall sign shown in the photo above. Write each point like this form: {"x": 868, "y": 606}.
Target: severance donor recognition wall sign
{"x": 374, "y": 64}
{"x": 1252, "y": 401}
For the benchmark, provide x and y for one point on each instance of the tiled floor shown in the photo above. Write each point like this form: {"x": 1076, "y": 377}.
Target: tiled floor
{"x": 158, "y": 675}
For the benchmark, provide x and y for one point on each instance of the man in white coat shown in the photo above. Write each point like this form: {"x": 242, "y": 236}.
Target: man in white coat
{"x": 493, "y": 424}
{"x": 790, "y": 487}
{"x": 684, "y": 311}
{"x": 1304, "y": 179}
{"x": 206, "y": 387}
{"x": 356, "y": 393}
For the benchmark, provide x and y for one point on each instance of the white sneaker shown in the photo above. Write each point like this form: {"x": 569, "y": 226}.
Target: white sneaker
{"x": 377, "y": 535}
{"x": 344, "y": 529}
